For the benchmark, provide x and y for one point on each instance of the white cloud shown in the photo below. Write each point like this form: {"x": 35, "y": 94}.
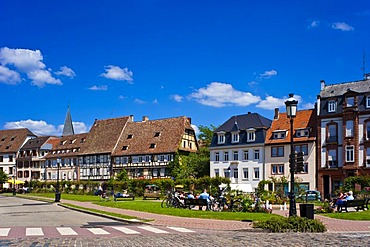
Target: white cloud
{"x": 308, "y": 106}
{"x": 117, "y": 73}
{"x": 66, "y": 72}
{"x": 314, "y": 24}
{"x": 342, "y": 26}
{"x": 122, "y": 97}
{"x": 196, "y": 129}
{"x": 8, "y": 76}
{"x": 139, "y": 101}
{"x": 155, "y": 101}
{"x": 177, "y": 98}
{"x": 219, "y": 94}
{"x": 28, "y": 62}
{"x": 99, "y": 88}
{"x": 268, "y": 74}
{"x": 271, "y": 103}
{"x": 43, "y": 128}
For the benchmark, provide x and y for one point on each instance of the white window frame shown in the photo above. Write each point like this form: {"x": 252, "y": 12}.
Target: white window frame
{"x": 235, "y": 155}
{"x": 350, "y": 153}
{"x": 235, "y": 173}
{"x": 235, "y": 137}
{"x": 350, "y": 101}
{"x": 332, "y": 106}
{"x": 221, "y": 138}
{"x": 256, "y": 173}
{"x": 226, "y": 156}
{"x": 217, "y": 156}
{"x": 245, "y": 173}
{"x": 251, "y": 135}
{"x": 349, "y": 128}
{"x": 245, "y": 154}
{"x": 367, "y": 101}
{"x": 256, "y": 154}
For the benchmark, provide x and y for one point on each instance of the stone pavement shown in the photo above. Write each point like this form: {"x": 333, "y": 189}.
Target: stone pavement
{"x": 333, "y": 225}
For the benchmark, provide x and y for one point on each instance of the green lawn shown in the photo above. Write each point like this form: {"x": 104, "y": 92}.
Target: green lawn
{"x": 360, "y": 215}
{"x": 154, "y": 206}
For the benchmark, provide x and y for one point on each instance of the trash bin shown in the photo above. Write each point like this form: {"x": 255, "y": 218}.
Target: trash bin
{"x": 306, "y": 210}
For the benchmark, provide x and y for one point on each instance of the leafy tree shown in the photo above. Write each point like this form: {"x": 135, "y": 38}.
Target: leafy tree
{"x": 3, "y": 177}
{"x": 206, "y": 133}
{"x": 122, "y": 175}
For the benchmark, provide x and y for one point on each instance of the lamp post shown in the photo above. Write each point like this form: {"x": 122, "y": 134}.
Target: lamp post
{"x": 14, "y": 170}
{"x": 57, "y": 192}
{"x": 291, "y": 112}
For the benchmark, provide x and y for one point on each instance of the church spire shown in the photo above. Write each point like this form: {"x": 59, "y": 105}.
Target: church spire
{"x": 68, "y": 127}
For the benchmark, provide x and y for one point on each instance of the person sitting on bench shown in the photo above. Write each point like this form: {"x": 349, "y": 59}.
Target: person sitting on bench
{"x": 348, "y": 197}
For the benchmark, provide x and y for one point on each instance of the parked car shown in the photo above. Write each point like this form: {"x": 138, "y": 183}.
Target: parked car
{"x": 310, "y": 195}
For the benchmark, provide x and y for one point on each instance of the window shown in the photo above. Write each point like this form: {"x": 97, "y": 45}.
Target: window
{"x": 332, "y": 133}
{"x": 368, "y": 157}
{"x": 227, "y": 173}
{"x": 152, "y": 145}
{"x": 226, "y": 156}
{"x": 251, "y": 135}
{"x": 245, "y": 173}
{"x": 301, "y": 148}
{"x": 367, "y": 130}
{"x": 124, "y": 147}
{"x": 277, "y": 151}
{"x": 256, "y": 154}
{"x": 332, "y": 106}
{"x": 277, "y": 169}
{"x": 235, "y": 155}
{"x": 221, "y": 138}
{"x": 256, "y": 173}
{"x": 157, "y": 134}
{"x": 350, "y": 101}
{"x": 302, "y": 133}
{"x": 235, "y": 171}
{"x": 217, "y": 173}
{"x": 217, "y": 156}
{"x": 245, "y": 155}
{"x": 367, "y": 101}
{"x": 279, "y": 134}
{"x": 349, "y": 128}
{"x": 129, "y": 136}
{"x": 1, "y": 158}
{"x": 332, "y": 158}
{"x": 235, "y": 137}
{"x": 350, "y": 153}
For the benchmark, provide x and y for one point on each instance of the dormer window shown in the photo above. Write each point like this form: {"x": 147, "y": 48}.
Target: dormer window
{"x": 235, "y": 137}
{"x": 349, "y": 128}
{"x": 332, "y": 106}
{"x": 152, "y": 145}
{"x": 350, "y": 101}
{"x": 280, "y": 134}
{"x": 124, "y": 147}
{"x": 221, "y": 137}
{"x": 157, "y": 134}
{"x": 129, "y": 136}
{"x": 251, "y": 135}
{"x": 302, "y": 132}
{"x": 368, "y": 101}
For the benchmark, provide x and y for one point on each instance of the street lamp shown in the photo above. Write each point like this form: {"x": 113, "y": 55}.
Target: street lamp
{"x": 14, "y": 170}
{"x": 57, "y": 192}
{"x": 291, "y": 112}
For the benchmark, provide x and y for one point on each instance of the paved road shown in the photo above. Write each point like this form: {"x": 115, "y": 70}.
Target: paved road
{"x": 221, "y": 238}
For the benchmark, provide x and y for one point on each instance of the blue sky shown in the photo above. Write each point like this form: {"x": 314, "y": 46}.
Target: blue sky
{"x": 208, "y": 60}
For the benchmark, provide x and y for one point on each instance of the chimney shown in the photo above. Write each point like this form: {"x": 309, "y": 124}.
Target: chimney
{"x": 145, "y": 118}
{"x": 322, "y": 84}
{"x": 276, "y": 116}
{"x": 189, "y": 119}
{"x": 131, "y": 118}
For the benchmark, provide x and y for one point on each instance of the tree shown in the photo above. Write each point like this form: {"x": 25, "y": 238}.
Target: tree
{"x": 206, "y": 134}
{"x": 3, "y": 177}
{"x": 122, "y": 175}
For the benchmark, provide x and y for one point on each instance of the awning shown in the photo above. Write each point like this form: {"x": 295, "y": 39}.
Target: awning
{"x": 242, "y": 187}
{"x": 11, "y": 181}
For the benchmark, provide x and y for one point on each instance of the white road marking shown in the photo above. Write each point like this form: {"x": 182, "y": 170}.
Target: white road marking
{"x": 179, "y": 229}
{"x": 125, "y": 230}
{"x": 66, "y": 231}
{"x": 152, "y": 229}
{"x": 4, "y": 232}
{"x": 98, "y": 231}
{"x": 34, "y": 232}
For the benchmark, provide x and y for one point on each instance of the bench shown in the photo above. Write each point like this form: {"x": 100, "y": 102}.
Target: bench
{"x": 188, "y": 202}
{"x": 359, "y": 204}
{"x": 124, "y": 196}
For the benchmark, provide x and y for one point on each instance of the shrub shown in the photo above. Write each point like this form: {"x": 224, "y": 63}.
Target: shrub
{"x": 326, "y": 208}
{"x": 291, "y": 224}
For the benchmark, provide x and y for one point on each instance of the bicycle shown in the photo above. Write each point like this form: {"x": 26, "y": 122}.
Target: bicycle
{"x": 172, "y": 201}
{"x": 222, "y": 204}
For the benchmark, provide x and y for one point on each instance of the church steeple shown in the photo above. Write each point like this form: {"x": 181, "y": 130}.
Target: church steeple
{"x": 68, "y": 127}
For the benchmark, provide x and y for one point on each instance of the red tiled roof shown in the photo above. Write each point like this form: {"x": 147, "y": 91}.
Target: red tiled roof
{"x": 64, "y": 146}
{"x": 164, "y": 135}
{"x": 12, "y": 140}
{"x": 304, "y": 119}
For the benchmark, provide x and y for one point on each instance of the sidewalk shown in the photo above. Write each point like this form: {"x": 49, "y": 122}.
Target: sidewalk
{"x": 333, "y": 225}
